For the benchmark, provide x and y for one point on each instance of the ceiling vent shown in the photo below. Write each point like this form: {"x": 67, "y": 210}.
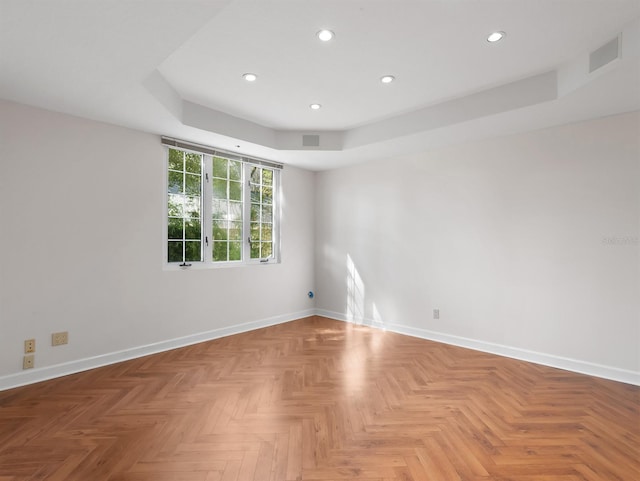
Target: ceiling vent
{"x": 609, "y": 52}
{"x": 311, "y": 141}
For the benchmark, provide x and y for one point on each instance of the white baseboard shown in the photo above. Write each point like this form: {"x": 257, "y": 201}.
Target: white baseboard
{"x": 574, "y": 365}
{"x": 49, "y": 372}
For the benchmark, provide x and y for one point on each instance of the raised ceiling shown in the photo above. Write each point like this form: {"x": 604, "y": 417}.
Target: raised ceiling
{"x": 175, "y": 68}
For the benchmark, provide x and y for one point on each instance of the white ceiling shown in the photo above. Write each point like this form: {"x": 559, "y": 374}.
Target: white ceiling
{"x": 174, "y": 67}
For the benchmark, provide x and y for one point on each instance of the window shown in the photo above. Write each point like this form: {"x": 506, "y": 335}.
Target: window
{"x": 261, "y": 238}
{"x": 184, "y": 204}
{"x": 227, "y": 210}
{"x": 221, "y": 209}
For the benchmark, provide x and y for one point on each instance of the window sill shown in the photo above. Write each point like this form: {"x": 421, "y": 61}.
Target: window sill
{"x": 199, "y": 266}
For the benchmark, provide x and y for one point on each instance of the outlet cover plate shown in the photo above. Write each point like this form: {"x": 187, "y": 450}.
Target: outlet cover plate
{"x": 28, "y": 361}
{"x": 59, "y": 338}
{"x": 29, "y": 346}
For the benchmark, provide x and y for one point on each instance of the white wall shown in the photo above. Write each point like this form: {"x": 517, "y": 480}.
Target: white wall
{"x": 81, "y": 248}
{"x": 509, "y": 238}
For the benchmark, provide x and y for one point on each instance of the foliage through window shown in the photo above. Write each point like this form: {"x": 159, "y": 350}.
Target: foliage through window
{"x": 261, "y": 238}
{"x": 220, "y": 210}
{"x": 184, "y": 226}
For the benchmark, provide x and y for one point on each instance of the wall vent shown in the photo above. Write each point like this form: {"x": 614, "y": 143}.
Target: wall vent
{"x": 604, "y": 55}
{"x": 311, "y": 141}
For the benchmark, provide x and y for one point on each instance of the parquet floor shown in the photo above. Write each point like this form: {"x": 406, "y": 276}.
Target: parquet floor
{"x": 317, "y": 399}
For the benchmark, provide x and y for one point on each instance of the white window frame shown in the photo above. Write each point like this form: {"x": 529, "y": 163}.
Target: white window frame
{"x": 206, "y": 217}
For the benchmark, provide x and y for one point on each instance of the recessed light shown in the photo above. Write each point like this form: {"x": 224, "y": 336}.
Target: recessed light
{"x": 495, "y": 37}
{"x": 325, "y": 35}
{"x": 387, "y": 79}
{"x": 250, "y": 77}
{"x": 315, "y": 106}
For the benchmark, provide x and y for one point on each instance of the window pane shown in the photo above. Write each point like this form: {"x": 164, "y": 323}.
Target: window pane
{"x": 267, "y": 177}
{"x": 255, "y": 231}
{"x": 267, "y": 212}
{"x": 175, "y": 251}
{"x": 220, "y": 251}
{"x": 219, "y": 189}
{"x": 235, "y": 191}
{"x": 235, "y": 251}
{"x": 219, "y": 209}
{"x": 219, "y": 230}
{"x": 267, "y": 195}
{"x": 255, "y": 212}
{"x": 255, "y": 175}
{"x": 255, "y": 193}
{"x": 235, "y": 231}
{"x": 192, "y": 207}
{"x": 235, "y": 170}
{"x": 266, "y": 249}
{"x": 192, "y": 184}
{"x": 192, "y": 229}
{"x": 175, "y": 180}
{"x": 235, "y": 211}
{"x": 267, "y": 232}
{"x": 175, "y": 205}
{"x": 192, "y": 251}
{"x": 193, "y": 163}
{"x": 255, "y": 250}
{"x": 220, "y": 167}
{"x": 176, "y": 159}
{"x": 174, "y": 228}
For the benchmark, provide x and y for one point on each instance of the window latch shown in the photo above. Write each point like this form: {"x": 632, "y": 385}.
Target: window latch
{"x": 264, "y": 261}
{"x": 206, "y": 240}
{"x": 184, "y": 264}
{"x": 249, "y": 240}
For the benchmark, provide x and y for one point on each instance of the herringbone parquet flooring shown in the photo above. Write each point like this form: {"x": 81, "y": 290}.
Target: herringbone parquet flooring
{"x": 317, "y": 399}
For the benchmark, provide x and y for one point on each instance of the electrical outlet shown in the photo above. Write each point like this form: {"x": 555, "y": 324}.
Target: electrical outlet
{"x": 59, "y": 338}
{"x": 29, "y": 346}
{"x": 28, "y": 361}
{"x": 436, "y": 313}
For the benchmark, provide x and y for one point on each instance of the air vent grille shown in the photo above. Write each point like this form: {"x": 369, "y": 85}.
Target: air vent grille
{"x": 604, "y": 55}
{"x": 311, "y": 141}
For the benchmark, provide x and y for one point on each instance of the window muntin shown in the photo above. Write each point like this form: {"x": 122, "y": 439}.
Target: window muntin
{"x": 220, "y": 211}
